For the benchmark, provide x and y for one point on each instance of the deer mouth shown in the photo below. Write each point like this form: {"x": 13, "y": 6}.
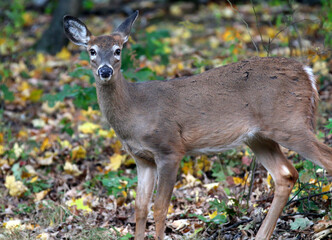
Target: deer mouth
{"x": 105, "y": 72}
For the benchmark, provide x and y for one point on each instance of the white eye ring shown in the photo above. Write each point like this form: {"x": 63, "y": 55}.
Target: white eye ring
{"x": 115, "y": 48}
{"x": 92, "y": 52}
{"x": 117, "y": 52}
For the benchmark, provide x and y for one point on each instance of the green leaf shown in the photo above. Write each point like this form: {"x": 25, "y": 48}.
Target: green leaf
{"x": 80, "y": 71}
{"x": 84, "y": 56}
{"x": 300, "y": 223}
{"x": 329, "y": 125}
{"x": 7, "y": 95}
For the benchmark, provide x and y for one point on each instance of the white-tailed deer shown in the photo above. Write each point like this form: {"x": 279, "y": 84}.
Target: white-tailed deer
{"x": 261, "y": 102}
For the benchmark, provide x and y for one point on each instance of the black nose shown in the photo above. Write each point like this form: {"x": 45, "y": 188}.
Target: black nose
{"x": 105, "y": 71}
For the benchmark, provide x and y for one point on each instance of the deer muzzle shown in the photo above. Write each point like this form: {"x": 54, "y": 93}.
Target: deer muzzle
{"x": 105, "y": 72}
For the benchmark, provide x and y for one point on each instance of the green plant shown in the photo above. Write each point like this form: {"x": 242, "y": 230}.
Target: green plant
{"x": 329, "y": 125}
{"x": 38, "y": 185}
{"x": 5, "y": 93}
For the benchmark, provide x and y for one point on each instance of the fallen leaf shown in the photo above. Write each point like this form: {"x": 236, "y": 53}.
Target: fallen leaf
{"x": 41, "y": 195}
{"x": 47, "y": 159}
{"x": 64, "y": 54}
{"x": 326, "y": 188}
{"x": 180, "y": 224}
{"x": 115, "y": 161}
{"x": 18, "y": 150}
{"x": 46, "y": 144}
{"x": 44, "y": 236}
{"x": 2, "y": 150}
{"x": 72, "y": 169}
{"x": 213, "y": 215}
{"x": 78, "y": 152}
{"x": 79, "y": 203}
{"x": 88, "y": 128}
{"x": 16, "y": 188}
{"x": 12, "y": 224}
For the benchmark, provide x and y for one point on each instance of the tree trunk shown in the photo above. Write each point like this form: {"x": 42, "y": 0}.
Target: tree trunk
{"x": 53, "y": 38}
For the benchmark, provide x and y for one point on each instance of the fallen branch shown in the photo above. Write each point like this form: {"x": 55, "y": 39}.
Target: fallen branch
{"x": 308, "y": 197}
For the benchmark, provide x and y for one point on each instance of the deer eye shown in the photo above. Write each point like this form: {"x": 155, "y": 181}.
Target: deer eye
{"x": 93, "y": 52}
{"x": 117, "y": 52}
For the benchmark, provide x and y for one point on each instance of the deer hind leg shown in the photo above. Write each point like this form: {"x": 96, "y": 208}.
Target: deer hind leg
{"x": 167, "y": 169}
{"x": 284, "y": 175}
{"x": 146, "y": 175}
{"x": 307, "y": 145}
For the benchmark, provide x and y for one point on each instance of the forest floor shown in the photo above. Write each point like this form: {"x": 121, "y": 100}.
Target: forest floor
{"x": 63, "y": 172}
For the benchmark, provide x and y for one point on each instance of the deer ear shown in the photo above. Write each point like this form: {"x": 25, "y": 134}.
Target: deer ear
{"x": 76, "y": 31}
{"x": 125, "y": 28}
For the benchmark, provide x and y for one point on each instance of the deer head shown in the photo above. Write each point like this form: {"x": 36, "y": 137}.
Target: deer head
{"x": 104, "y": 51}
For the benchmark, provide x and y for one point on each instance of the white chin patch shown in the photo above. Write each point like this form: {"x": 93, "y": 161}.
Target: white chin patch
{"x": 105, "y": 79}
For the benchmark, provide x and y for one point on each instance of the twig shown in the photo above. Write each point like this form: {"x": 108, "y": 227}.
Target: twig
{"x": 259, "y": 30}
{"x": 253, "y": 169}
{"x": 308, "y": 197}
{"x": 306, "y": 214}
{"x": 292, "y": 23}
{"x": 253, "y": 42}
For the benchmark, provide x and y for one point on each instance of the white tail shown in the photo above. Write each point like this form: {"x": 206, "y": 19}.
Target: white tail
{"x": 261, "y": 102}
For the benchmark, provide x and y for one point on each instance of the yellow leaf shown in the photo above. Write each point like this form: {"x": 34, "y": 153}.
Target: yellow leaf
{"x": 211, "y": 186}
{"x": 124, "y": 193}
{"x": 88, "y": 127}
{"x": 30, "y": 171}
{"x": 129, "y": 162}
{"x": 1, "y": 137}
{"x": 106, "y": 134}
{"x": 49, "y": 109}
{"x": 72, "y": 169}
{"x": 151, "y": 28}
{"x": 176, "y": 10}
{"x": 12, "y": 224}
{"x": 27, "y": 19}
{"x": 90, "y": 112}
{"x": 271, "y": 32}
{"x": 35, "y": 95}
{"x": 268, "y": 180}
{"x": 44, "y": 236}
{"x": 17, "y": 150}
{"x": 2, "y": 150}
{"x": 34, "y": 179}
{"x": 188, "y": 168}
{"x": 213, "y": 215}
{"x": 79, "y": 203}
{"x": 117, "y": 146}
{"x": 40, "y": 60}
{"x": 116, "y": 161}
{"x": 238, "y": 180}
{"x": 2, "y": 41}
{"x": 326, "y": 188}
{"x": 78, "y": 152}
{"x": 16, "y": 188}
{"x": 41, "y": 195}
{"x": 46, "y": 144}
{"x": 170, "y": 209}
{"x": 65, "y": 144}
{"x": 23, "y": 134}
{"x": 47, "y": 159}
{"x": 64, "y": 54}
{"x": 3, "y": 162}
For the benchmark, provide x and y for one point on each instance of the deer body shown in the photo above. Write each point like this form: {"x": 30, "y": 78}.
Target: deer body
{"x": 262, "y": 102}
{"x": 199, "y": 109}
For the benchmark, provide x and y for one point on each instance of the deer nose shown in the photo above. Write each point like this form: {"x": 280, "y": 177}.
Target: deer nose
{"x": 105, "y": 71}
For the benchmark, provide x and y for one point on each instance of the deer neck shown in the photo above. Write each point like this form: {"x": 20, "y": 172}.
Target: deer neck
{"x": 115, "y": 101}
